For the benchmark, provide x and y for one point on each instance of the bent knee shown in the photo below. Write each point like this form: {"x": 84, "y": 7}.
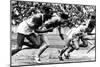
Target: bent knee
{"x": 76, "y": 47}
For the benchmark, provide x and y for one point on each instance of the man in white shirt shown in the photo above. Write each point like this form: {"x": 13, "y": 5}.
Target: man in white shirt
{"x": 29, "y": 29}
{"x": 72, "y": 40}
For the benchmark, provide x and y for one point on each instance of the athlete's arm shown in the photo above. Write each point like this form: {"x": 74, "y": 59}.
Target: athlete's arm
{"x": 60, "y": 34}
{"x": 43, "y": 31}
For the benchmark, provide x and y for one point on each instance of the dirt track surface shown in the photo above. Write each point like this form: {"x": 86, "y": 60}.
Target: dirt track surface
{"x": 26, "y": 56}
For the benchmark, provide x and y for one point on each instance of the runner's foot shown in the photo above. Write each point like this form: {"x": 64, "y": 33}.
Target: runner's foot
{"x": 60, "y": 58}
{"x": 37, "y": 60}
{"x": 67, "y": 56}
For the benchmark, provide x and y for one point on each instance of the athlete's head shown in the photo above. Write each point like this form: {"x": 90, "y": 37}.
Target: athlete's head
{"x": 47, "y": 9}
{"x": 64, "y": 16}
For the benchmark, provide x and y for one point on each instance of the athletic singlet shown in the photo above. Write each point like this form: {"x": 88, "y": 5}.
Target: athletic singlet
{"x": 25, "y": 26}
{"x": 75, "y": 31}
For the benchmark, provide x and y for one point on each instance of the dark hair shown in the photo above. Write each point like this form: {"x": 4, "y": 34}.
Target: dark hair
{"x": 46, "y": 9}
{"x": 64, "y": 16}
{"x": 93, "y": 17}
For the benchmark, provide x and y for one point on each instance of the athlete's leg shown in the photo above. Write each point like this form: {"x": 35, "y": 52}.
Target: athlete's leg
{"x": 29, "y": 44}
{"x": 85, "y": 43}
{"x": 44, "y": 45}
{"x": 34, "y": 40}
{"x": 20, "y": 40}
{"x": 67, "y": 44}
{"x": 69, "y": 50}
{"x": 75, "y": 43}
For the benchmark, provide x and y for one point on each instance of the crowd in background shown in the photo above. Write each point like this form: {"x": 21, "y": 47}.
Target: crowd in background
{"x": 23, "y": 9}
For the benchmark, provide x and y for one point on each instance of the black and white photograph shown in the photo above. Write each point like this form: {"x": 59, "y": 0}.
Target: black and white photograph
{"x": 43, "y": 33}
